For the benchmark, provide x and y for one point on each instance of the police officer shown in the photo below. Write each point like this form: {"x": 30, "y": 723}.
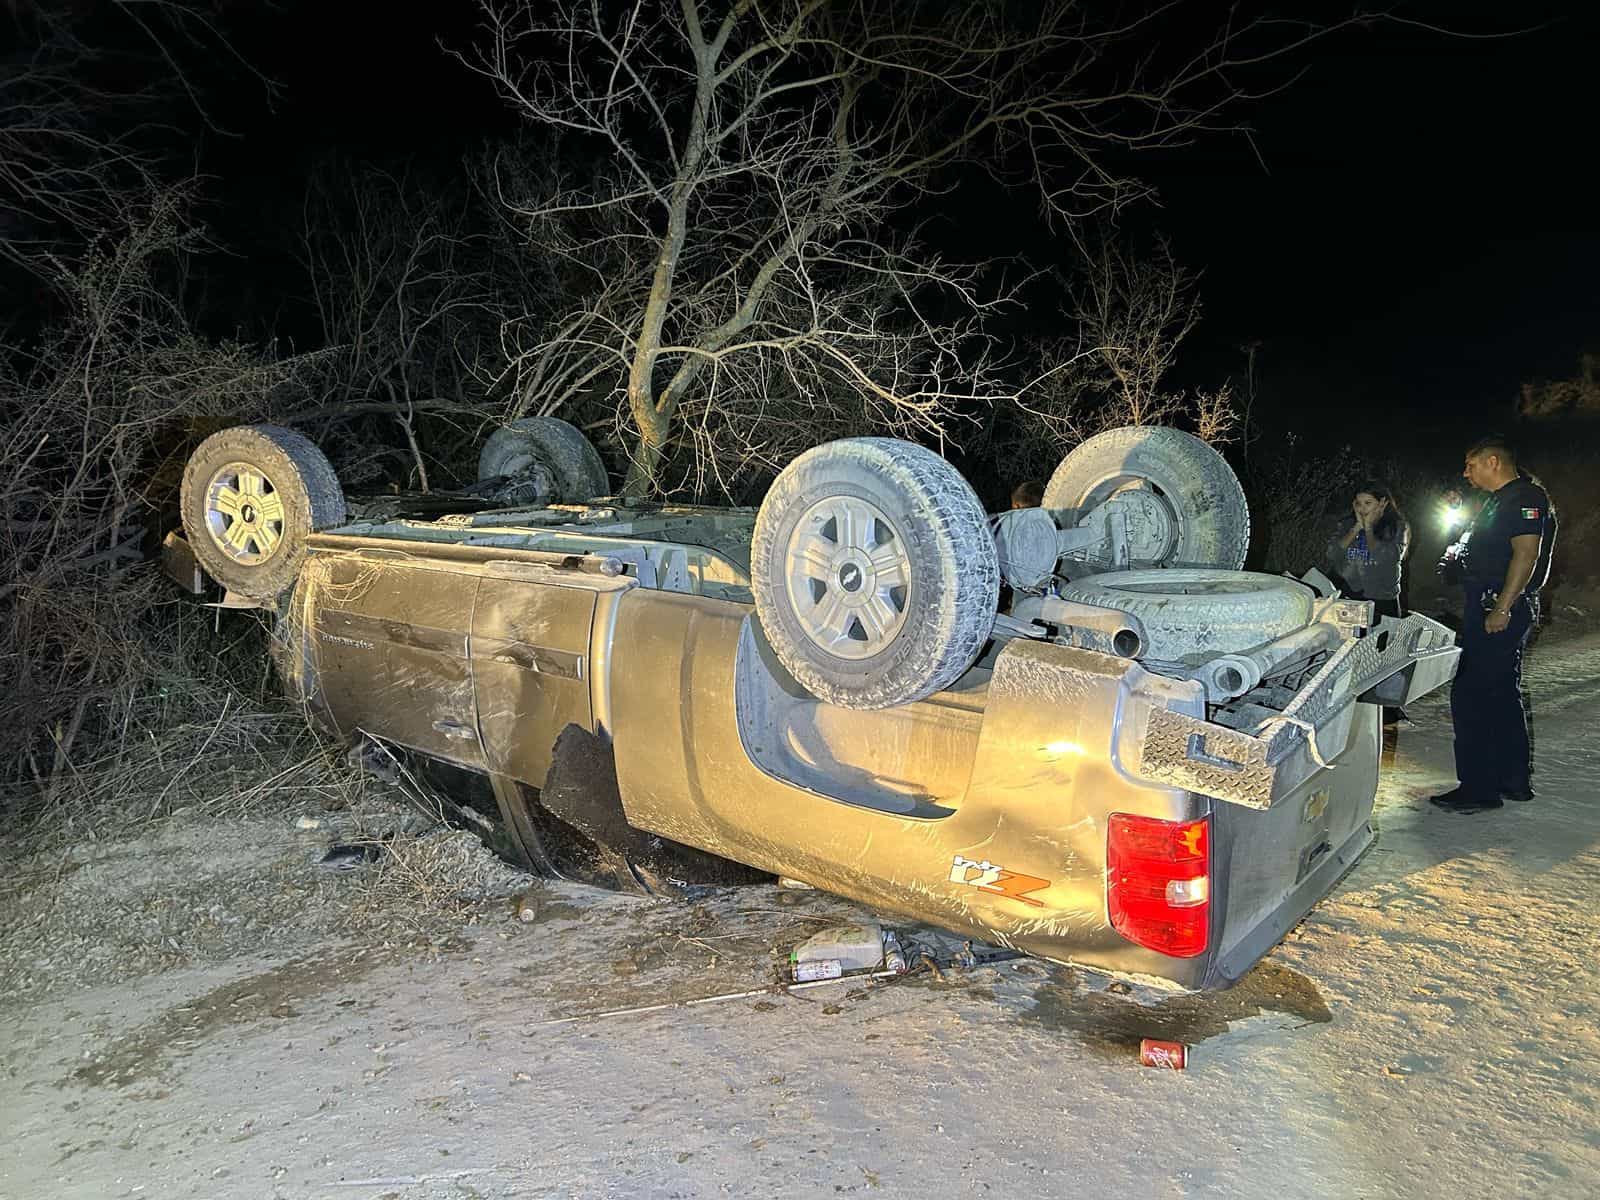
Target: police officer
{"x": 1501, "y": 560}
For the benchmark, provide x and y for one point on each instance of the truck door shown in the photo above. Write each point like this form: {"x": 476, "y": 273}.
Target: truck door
{"x": 390, "y": 639}
{"x": 530, "y": 661}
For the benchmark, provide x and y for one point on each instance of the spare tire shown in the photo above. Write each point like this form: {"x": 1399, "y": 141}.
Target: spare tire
{"x": 557, "y": 445}
{"x": 1191, "y": 509}
{"x": 874, "y": 572}
{"x": 1190, "y": 616}
{"x": 250, "y": 496}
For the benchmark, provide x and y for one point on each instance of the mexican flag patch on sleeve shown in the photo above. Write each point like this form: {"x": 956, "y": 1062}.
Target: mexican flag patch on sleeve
{"x": 1530, "y": 514}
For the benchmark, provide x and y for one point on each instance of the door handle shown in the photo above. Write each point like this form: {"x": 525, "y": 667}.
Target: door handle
{"x": 458, "y": 730}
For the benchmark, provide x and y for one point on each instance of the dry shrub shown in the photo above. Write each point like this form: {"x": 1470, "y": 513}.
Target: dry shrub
{"x": 1295, "y": 498}
{"x": 99, "y": 413}
{"x": 117, "y": 694}
{"x": 1129, "y": 310}
{"x": 434, "y": 873}
{"x": 1298, "y": 497}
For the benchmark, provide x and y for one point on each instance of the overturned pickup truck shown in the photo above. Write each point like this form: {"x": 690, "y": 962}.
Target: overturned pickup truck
{"x": 1148, "y": 761}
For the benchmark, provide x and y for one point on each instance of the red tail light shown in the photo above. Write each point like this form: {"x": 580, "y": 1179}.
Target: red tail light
{"x": 1158, "y": 882}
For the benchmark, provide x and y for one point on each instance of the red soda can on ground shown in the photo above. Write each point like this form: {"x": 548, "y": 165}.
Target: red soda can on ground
{"x": 1174, "y": 1056}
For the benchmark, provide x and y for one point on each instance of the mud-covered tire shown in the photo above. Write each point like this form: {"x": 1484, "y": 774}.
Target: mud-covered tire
{"x": 570, "y": 457}
{"x": 1190, "y": 616}
{"x": 1194, "y": 482}
{"x": 299, "y": 493}
{"x": 874, "y": 572}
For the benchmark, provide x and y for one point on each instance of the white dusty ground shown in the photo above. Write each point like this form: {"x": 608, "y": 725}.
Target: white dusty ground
{"x": 1430, "y": 1031}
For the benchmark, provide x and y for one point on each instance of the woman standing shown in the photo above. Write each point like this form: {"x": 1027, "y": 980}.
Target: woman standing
{"x": 1368, "y": 552}
{"x": 1367, "y": 556}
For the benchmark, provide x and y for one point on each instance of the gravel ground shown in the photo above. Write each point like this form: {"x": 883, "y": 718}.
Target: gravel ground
{"x": 199, "y": 888}
{"x": 195, "y": 1008}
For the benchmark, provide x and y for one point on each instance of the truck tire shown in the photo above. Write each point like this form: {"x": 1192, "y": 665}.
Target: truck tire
{"x": 874, "y": 572}
{"x": 559, "y": 445}
{"x": 1190, "y": 616}
{"x": 250, "y": 496}
{"x": 1197, "y": 511}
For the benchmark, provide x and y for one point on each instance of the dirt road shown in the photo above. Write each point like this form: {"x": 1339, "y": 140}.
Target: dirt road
{"x": 1429, "y": 1031}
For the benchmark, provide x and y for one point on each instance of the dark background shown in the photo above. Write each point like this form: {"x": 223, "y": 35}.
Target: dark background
{"x": 1408, "y": 231}
{"x": 1423, "y": 237}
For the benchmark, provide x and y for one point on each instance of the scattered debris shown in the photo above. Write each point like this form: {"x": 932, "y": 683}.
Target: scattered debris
{"x": 525, "y": 907}
{"x": 817, "y": 968}
{"x": 1171, "y": 1056}
{"x": 304, "y": 822}
{"x": 370, "y": 757}
{"x": 850, "y": 947}
{"x": 695, "y": 1002}
{"x": 413, "y": 1180}
{"x": 350, "y": 855}
{"x": 894, "y": 958}
{"x": 862, "y": 953}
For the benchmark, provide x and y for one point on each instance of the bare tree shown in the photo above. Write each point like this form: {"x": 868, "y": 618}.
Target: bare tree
{"x": 845, "y": 338}
{"x": 83, "y": 119}
{"x": 1129, "y": 312}
{"x": 1217, "y": 418}
{"x": 402, "y": 276}
{"x": 1133, "y": 311}
{"x": 755, "y": 160}
{"x": 96, "y": 420}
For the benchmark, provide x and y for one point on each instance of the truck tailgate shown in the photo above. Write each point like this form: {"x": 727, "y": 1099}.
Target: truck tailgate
{"x": 1272, "y": 866}
{"x": 1264, "y": 766}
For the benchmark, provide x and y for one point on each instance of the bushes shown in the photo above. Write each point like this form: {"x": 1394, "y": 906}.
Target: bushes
{"x": 98, "y": 414}
{"x": 1297, "y": 494}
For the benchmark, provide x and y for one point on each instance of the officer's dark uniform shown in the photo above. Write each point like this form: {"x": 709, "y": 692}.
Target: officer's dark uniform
{"x": 1486, "y": 702}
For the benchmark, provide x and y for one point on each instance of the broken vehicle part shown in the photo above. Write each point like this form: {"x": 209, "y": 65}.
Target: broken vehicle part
{"x": 857, "y": 947}
{"x": 349, "y": 856}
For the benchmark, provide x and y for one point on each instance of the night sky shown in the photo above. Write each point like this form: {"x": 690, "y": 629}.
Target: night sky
{"x": 1417, "y": 236}
{"x": 1427, "y": 236}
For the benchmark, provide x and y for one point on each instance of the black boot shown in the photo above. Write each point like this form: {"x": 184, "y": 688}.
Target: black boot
{"x": 1462, "y": 801}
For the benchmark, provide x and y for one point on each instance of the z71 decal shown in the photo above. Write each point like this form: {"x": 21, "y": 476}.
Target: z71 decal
{"x": 987, "y": 877}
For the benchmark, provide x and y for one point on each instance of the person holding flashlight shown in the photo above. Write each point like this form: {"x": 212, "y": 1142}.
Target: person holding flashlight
{"x": 1501, "y": 561}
